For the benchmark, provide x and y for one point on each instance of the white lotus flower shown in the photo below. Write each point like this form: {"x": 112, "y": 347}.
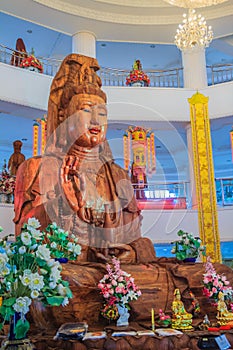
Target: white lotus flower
{"x": 22, "y": 249}
{"x": 22, "y": 305}
{"x": 33, "y": 222}
{"x": 26, "y": 238}
{"x": 34, "y": 294}
{"x": 37, "y": 281}
{"x": 43, "y": 252}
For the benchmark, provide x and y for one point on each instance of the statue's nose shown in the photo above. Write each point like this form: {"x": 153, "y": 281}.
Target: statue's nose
{"x": 94, "y": 116}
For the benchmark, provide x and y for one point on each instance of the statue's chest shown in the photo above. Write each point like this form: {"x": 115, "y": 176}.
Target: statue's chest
{"x": 97, "y": 190}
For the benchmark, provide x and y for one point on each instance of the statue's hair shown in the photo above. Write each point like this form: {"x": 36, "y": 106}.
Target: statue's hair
{"x": 176, "y": 291}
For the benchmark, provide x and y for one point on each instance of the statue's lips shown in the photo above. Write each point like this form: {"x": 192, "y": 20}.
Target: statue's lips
{"x": 94, "y": 131}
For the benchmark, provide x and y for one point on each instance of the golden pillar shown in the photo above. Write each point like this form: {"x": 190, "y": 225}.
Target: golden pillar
{"x": 204, "y": 176}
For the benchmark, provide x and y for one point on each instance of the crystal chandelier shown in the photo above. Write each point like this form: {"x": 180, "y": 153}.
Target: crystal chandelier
{"x": 193, "y": 32}
{"x": 194, "y": 3}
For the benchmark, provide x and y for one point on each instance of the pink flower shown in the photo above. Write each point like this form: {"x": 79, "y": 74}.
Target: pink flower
{"x": 214, "y": 290}
{"x": 112, "y": 300}
{"x": 206, "y": 280}
{"x": 117, "y": 285}
{"x": 215, "y": 282}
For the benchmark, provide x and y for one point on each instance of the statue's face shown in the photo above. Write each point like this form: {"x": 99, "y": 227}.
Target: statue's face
{"x": 87, "y": 121}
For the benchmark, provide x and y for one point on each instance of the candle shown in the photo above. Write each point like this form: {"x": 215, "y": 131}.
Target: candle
{"x": 153, "y": 319}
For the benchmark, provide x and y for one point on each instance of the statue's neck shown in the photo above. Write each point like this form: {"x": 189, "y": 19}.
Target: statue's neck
{"x": 84, "y": 153}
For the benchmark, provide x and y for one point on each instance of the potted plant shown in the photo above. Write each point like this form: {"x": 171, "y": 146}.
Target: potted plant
{"x": 32, "y": 63}
{"x": 164, "y": 320}
{"x": 214, "y": 283}
{"x": 118, "y": 289}
{"x": 29, "y": 273}
{"x": 7, "y": 185}
{"x": 188, "y": 247}
{"x": 136, "y": 76}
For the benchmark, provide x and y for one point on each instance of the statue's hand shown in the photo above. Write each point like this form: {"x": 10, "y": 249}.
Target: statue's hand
{"x": 72, "y": 182}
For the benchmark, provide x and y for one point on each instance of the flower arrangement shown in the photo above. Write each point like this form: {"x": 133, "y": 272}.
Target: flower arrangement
{"x": 60, "y": 244}
{"x": 32, "y": 61}
{"x": 27, "y": 273}
{"x": 117, "y": 287}
{"x": 164, "y": 320}
{"x": 7, "y": 182}
{"x": 187, "y": 246}
{"x": 215, "y": 283}
{"x": 136, "y": 75}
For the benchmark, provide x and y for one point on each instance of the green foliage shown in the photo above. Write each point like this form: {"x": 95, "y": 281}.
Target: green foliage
{"x": 188, "y": 246}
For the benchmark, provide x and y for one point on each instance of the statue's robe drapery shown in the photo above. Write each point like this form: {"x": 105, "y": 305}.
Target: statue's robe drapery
{"x": 38, "y": 194}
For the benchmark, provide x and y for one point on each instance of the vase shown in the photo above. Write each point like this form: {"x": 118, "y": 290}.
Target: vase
{"x": 33, "y": 69}
{"x": 62, "y": 260}
{"x": 11, "y": 343}
{"x": 17, "y": 344}
{"x": 190, "y": 260}
{"x": 137, "y": 83}
{"x": 123, "y": 315}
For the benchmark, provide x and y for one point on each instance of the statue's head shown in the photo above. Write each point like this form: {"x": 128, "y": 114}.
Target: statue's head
{"x": 77, "y": 111}
{"x": 177, "y": 293}
{"x": 17, "y": 144}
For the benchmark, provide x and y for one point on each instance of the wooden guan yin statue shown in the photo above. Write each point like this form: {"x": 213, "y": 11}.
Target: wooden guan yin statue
{"x": 76, "y": 179}
{"x": 77, "y": 184}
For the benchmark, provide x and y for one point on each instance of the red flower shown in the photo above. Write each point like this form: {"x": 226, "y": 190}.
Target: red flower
{"x": 137, "y": 75}
{"x": 32, "y": 61}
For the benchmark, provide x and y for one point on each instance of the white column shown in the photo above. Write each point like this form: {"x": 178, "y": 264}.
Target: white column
{"x": 84, "y": 43}
{"x": 192, "y": 187}
{"x": 194, "y": 64}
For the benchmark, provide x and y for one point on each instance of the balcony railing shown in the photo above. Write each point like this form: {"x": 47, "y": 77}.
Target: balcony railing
{"x": 158, "y": 78}
{"x": 224, "y": 191}
{"x": 172, "y": 78}
{"x": 176, "y": 194}
{"x": 220, "y": 73}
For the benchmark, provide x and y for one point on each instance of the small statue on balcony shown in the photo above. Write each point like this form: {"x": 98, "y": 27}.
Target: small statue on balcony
{"x": 16, "y": 158}
{"x": 19, "y": 54}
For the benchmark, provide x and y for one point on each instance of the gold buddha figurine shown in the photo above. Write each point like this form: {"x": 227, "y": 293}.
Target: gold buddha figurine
{"x": 223, "y": 315}
{"x": 181, "y": 319}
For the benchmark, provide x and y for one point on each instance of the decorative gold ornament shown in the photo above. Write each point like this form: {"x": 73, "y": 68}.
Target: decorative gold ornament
{"x": 204, "y": 176}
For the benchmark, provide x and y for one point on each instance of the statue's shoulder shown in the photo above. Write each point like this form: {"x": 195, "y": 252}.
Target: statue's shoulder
{"x": 33, "y": 164}
{"x": 28, "y": 165}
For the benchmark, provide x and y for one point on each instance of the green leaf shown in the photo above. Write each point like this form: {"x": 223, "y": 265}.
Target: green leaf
{"x": 9, "y": 301}
{"x": 6, "y": 312}
{"x": 55, "y": 301}
{"x": 68, "y": 293}
{"x": 21, "y": 329}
